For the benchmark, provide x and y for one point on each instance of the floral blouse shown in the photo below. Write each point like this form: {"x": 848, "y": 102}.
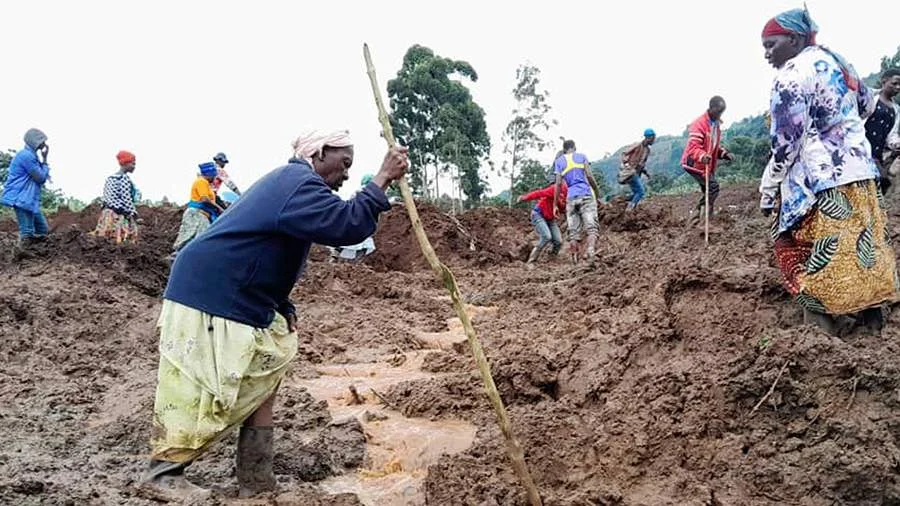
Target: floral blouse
{"x": 818, "y": 135}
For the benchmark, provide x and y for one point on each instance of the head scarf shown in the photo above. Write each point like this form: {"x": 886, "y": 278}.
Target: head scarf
{"x": 208, "y": 169}
{"x": 34, "y": 138}
{"x": 125, "y": 157}
{"x": 794, "y": 21}
{"x": 649, "y": 133}
{"x": 798, "y": 21}
{"x": 310, "y": 143}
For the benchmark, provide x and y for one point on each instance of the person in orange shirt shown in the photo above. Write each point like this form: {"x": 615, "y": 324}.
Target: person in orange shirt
{"x": 202, "y": 209}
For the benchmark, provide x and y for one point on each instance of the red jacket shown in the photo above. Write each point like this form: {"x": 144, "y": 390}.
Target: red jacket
{"x": 544, "y": 196}
{"x": 704, "y": 138}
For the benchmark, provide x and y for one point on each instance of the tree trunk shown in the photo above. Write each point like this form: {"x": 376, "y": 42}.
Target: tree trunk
{"x": 512, "y": 171}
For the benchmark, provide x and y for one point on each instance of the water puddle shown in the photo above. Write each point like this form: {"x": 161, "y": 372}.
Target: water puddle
{"x": 400, "y": 449}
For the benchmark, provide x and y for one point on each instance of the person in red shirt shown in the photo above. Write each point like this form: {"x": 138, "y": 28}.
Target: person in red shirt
{"x": 544, "y": 220}
{"x": 704, "y": 150}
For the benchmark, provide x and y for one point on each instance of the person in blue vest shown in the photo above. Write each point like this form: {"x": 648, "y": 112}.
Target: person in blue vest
{"x": 22, "y": 190}
{"x": 581, "y": 204}
{"x": 228, "y": 327}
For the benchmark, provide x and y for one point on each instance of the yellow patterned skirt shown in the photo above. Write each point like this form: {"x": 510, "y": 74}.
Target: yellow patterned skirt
{"x": 123, "y": 229}
{"x": 213, "y": 374}
{"x": 839, "y": 259}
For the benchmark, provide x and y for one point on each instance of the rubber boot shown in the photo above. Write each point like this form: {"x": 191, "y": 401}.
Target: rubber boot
{"x": 535, "y": 254}
{"x": 254, "y": 461}
{"x": 872, "y": 319}
{"x": 823, "y": 321}
{"x": 165, "y": 481}
{"x": 23, "y": 248}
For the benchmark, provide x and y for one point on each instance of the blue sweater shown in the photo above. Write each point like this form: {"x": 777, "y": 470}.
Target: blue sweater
{"x": 26, "y": 177}
{"x": 245, "y": 265}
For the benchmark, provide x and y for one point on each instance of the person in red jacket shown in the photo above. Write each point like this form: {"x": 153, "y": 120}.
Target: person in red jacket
{"x": 704, "y": 150}
{"x": 544, "y": 220}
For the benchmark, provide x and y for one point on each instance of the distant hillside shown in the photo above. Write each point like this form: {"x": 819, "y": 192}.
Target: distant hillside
{"x": 664, "y": 165}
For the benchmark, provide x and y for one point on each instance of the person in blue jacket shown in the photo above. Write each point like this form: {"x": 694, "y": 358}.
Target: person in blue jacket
{"x": 22, "y": 191}
{"x": 227, "y": 324}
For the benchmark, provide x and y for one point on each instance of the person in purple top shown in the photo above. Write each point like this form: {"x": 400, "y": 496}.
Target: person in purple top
{"x": 581, "y": 205}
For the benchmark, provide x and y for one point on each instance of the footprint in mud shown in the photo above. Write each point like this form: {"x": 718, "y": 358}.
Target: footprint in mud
{"x": 399, "y": 450}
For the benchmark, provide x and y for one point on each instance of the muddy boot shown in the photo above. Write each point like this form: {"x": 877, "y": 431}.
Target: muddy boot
{"x": 825, "y": 322}
{"x": 254, "y": 461}
{"x": 630, "y": 207}
{"x": 23, "y": 248}
{"x": 166, "y": 482}
{"x": 871, "y": 319}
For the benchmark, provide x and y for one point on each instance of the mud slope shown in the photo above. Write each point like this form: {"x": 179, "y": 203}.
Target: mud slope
{"x": 637, "y": 383}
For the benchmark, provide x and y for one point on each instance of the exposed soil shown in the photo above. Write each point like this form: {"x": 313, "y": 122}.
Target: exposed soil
{"x": 636, "y": 383}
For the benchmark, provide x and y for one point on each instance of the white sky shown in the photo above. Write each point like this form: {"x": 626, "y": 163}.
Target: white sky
{"x": 177, "y": 81}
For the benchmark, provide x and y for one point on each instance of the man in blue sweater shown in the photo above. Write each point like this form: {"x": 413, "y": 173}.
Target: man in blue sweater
{"x": 227, "y": 322}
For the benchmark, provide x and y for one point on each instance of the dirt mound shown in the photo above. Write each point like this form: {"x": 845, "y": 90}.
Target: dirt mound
{"x": 478, "y": 238}
{"x": 671, "y": 374}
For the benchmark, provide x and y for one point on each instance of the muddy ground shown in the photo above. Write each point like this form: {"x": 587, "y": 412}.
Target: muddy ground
{"x": 636, "y": 383}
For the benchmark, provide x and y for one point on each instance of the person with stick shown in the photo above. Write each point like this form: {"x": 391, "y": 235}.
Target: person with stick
{"x": 227, "y": 326}
{"x": 543, "y": 217}
{"x": 702, "y": 154}
{"x": 581, "y": 205}
{"x": 830, "y": 228}
{"x": 634, "y": 161}
{"x": 28, "y": 172}
{"x": 882, "y": 126}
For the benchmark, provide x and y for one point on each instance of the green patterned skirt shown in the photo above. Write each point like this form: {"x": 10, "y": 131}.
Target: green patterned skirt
{"x": 839, "y": 259}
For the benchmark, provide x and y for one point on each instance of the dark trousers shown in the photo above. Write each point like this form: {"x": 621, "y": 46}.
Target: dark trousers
{"x": 713, "y": 189}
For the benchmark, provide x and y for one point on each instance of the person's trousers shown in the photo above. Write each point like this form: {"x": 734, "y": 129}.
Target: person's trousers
{"x": 31, "y": 224}
{"x": 547, "y": 231}
{"x": 637, "y": 189}
{"x": 713, "y": 189}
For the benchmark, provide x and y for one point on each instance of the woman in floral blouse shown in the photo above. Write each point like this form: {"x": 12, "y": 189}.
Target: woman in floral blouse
{"x": 830, "y": 230}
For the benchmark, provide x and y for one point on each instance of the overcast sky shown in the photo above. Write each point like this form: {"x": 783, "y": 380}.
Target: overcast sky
{"x": 177, "y": 81}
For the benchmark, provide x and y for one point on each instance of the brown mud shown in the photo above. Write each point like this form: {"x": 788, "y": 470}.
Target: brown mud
{"x": 631, "y": 384}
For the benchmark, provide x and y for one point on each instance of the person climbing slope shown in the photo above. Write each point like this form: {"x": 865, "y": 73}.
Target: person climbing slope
{"x": 634, "y": 162}
{"x": 118, "y": 216}
{"x": 830, "y": 230}
{"x": 544, "y": 218}
{"x": 201, "y": 210}
{"x": 581, "y": 203}
{"x": 228, "y": 327}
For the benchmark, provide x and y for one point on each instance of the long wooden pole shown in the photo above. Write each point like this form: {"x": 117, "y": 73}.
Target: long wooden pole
{"x": 706, "y": 210}
{"x": 516, "y": 455}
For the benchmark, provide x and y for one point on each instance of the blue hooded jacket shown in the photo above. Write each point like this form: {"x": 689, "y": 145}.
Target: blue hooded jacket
{"x": 27, "y": 175}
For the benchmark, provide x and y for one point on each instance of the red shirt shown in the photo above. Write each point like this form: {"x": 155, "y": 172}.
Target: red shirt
{"x": 544, "y": 196}
{"x": 704, "y": 138}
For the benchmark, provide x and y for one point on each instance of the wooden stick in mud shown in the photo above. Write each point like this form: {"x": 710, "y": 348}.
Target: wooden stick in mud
{"x": 516, "y": 455}
{"x": 706, "y": 210}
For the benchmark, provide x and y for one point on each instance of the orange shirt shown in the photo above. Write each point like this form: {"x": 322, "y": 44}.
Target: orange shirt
{"x": 201, "y": 188}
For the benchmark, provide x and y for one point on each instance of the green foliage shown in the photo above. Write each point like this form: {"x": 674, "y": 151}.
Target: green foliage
{"x": 888, "y": 62}
{"x": 435, "y": 116}
{"x": 524, "y": 133}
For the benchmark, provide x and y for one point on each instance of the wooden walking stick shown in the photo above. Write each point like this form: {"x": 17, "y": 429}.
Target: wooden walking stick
{"x": 706, "y": 209}
{"x": 516, "y": 455}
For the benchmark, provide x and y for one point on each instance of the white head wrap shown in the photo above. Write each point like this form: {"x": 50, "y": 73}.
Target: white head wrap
{"x": 311, "y": 142}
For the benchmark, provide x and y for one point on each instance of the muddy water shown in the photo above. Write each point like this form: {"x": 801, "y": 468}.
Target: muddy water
{"x": 399, "y": 449}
